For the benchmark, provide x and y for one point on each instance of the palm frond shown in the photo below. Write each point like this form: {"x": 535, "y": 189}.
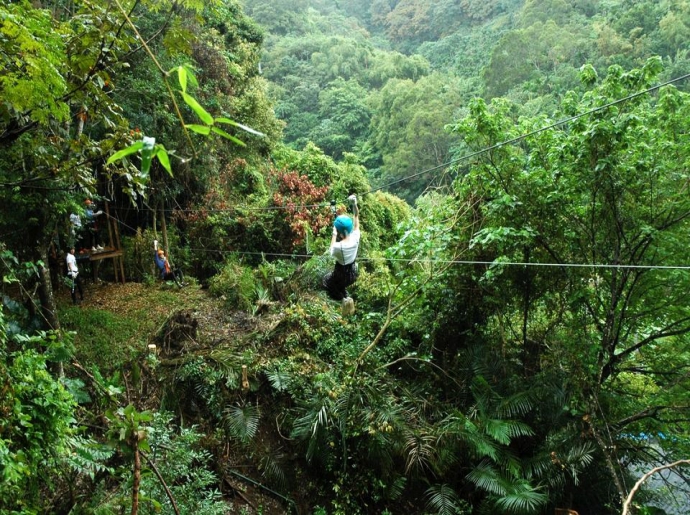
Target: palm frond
{"x": 242, "y": 422}
{"x": 273, "y": 469}
{"x": 442, "y": 500}
{"x": 279, "y": 379}
{"x": 515, "y": 405}
{"x": 420, "y": 450}
{"x": 578, "y": 457}
{"x": 510, "y": 496}
{"x": 395, "y": 488}
{"x": 503, "y": 431}
{"x": 539, "y": 466}
{"x": 312, "y": 426}
{"x": 486, "y": 477}
{"x": 526, "y": 501}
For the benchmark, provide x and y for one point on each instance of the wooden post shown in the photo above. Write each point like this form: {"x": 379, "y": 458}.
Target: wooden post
{"x": 111, "y": 245}
{"x": 120, "y": 259}
{"x": 245, "y": 379}
{"x": 110, "y": 229}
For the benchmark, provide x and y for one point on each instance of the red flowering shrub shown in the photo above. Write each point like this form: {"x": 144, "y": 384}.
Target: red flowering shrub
{"x": 301, "y": 202}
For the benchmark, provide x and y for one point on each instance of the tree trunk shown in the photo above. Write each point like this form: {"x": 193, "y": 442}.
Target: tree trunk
{"x": 45, "y": 291}
{"x": 136, "y": 481}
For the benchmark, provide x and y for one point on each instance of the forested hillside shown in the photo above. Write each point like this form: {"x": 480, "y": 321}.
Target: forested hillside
{"x": 382, "y": 79}
{"x": 519, "y": 339}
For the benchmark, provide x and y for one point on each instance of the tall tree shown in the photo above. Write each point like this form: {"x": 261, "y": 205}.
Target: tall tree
{"x": 601, "y": 201}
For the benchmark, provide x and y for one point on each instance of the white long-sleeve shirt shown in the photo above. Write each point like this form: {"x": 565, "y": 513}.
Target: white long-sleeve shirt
{"x": 71, "y": 260}
{"x": 345, "y": 252}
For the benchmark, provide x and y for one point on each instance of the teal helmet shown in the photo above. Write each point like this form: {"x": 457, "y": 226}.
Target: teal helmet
{"x": 343, "y": 224}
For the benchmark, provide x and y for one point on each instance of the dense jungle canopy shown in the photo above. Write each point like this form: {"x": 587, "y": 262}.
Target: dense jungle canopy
{"x": 521, "y": 338}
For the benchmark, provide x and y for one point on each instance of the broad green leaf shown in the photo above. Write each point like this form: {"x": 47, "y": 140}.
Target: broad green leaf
{"x": 199, "y": 129}
{"x": 147, "y": 153}
{"x": 182, "y": 77}
{"x": 236, "y": 124}
{"x": 136, "y": 147}
{"x": 196, "y": 107}
{"x": 228, "y": 136}
{"x": 162, "y": 156}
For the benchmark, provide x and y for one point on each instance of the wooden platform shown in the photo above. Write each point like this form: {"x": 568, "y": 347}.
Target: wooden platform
{"x": 104, "y": 254}
{"x": 109, "y": 253}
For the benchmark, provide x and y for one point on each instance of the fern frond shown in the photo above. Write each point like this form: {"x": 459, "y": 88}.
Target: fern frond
{"x": 89, "y": 456}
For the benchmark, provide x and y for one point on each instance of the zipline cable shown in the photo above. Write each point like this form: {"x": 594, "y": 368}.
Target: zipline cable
{"x": 444, "y": 261}
{"x": 458, "y": 261}
{"x": 450, "y": 162}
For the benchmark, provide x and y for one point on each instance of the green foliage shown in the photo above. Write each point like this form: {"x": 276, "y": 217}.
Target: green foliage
{"x": 138, "y": 252}
{"x": 312, "y": 162}
{"x": 408, "y": 130}
{"x": 201, "y": 385}
{"x": 178, "y": 455}
{"x": 33, "y": 84}
{"x": 443, "y": 500}
{"x": 344, "y": 118}
{"x": 235, "y": 284}
{"x": 242, "y": 422}
{"x": 35, "y": 429}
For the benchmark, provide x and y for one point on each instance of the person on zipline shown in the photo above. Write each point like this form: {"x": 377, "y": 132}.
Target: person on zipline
{"x": 344, "y": 246}
{"x": 167, "y": 273}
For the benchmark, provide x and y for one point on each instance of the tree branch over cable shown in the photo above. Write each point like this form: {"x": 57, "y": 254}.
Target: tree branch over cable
{"x": 628, "y": 500}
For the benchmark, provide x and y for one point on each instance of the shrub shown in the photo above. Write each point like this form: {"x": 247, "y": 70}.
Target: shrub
{"x": 235, "y": 284}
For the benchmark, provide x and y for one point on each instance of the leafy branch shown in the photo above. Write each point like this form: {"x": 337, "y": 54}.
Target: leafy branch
{"x": 636, "y": 487}
{"x": 148, "y": 146}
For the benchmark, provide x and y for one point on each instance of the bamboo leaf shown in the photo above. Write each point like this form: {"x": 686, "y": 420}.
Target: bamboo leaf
{"x": 228, "y": 136}
{"x": 182, "y": 77}
{"x": 162, "y": 156}
{"x": 241, "y": 126}
{"x": 125, "y": 152}
{"x": 199, "y": 129}
{"x": 196, "y": 107}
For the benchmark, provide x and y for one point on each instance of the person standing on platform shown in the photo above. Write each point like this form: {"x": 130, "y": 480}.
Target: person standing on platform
{"x": 73, "y": 273}
{"x": 92, "y": 224}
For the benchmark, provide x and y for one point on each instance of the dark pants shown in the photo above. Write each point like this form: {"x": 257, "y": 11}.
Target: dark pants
{"x": 340, "y": 278}
{"x": 175, "y": 275}
{"x": 76, "y": 285}
{"x": 92, "y": 236}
